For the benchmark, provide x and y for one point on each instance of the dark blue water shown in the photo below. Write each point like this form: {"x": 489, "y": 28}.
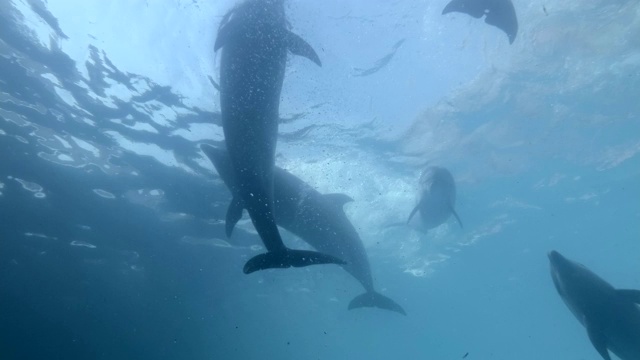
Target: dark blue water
{"x": 112, "y": 240}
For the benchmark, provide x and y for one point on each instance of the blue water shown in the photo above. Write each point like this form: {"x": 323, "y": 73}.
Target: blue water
{"x": 112, "y": 241}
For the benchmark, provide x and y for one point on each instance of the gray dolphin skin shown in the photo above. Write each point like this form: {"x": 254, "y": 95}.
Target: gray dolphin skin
{"x": 437, "y": 200}
{"x": 317, "y": 219}
{"x": 499, "y": 13}
{"x": 254, "y": 40}
{"x": 611, "y": 316}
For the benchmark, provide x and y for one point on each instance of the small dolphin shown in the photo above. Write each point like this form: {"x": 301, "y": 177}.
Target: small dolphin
{"x": 317, "y": 219}
{"x": 437, "y": 199}
{"x": 255, "y": 40}
{"x": 499, "y": 13}
{"x": 611, "y": 316}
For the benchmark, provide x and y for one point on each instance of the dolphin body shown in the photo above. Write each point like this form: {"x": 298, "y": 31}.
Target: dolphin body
{"x": 317, "y": 219}
{"x": 437, "y": 199}
{"x": 611, "y": 316}
{"x": 499, "y": 13}
{"x": 255, "y": 40}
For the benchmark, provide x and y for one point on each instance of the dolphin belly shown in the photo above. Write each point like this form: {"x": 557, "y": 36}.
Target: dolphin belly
{"x": 434, "y": 211}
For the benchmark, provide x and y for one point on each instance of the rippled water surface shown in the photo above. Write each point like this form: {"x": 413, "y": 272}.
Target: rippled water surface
{"x": 112, "y": 243}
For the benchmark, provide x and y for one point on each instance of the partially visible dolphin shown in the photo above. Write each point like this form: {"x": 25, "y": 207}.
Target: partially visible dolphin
{"x": 255, "y": 40}
{"x": 437, "y": 199}
{"x": 611, "y": 316}
{"x": 317, "y": 219}
{"x": 499, "y": 13}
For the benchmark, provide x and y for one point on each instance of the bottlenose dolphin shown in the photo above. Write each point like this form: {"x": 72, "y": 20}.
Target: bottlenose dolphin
{"x": 611, "y": 316}
{"x": 437, "y": 199}
{"x": 499, "y": 13}
{"x": 254, "y": 40}
{"x": 317, "y": 219}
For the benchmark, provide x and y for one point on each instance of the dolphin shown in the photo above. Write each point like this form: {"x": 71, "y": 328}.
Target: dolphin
{"x": 317, "y": 219}
{"x": 499, "y": 13}
{"x": 611, "y": 316}
{"x": 437, "y": 199}
{"x": 254, "y": 40}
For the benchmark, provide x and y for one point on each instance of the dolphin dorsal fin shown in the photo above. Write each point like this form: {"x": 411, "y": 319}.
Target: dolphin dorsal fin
{"x": 337, "y": 199}
{"x": 631, "y": 295}
{"x": 299, "y": 47}
{"x": 234, "y": 214}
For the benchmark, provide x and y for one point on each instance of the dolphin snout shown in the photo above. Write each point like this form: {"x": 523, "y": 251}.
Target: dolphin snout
{"x": 557, "y": 260}
{"x": 554, "y": 258}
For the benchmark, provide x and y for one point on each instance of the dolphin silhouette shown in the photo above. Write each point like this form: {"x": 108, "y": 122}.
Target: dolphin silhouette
{"x": 611, "y": 316}
{"x": 317, "y": 219}
{"x": 254, "y": 40}
{"x": 437, "y": 199}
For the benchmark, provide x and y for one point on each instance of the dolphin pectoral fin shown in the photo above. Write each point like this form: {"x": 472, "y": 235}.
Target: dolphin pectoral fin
{"x": 214, "y": 83}
{"x": 338, "y": 199}
{"x": 374, "y": 299}
{"x": 413, "y": 212}
{"x": 288, "y": 258}
{"x": 234, "y": 214}
{"x": 298, "y": 46}
{"x": 598, "y": 340}
{"x": 457, "y": 217}
{"x": 631, "y": 295}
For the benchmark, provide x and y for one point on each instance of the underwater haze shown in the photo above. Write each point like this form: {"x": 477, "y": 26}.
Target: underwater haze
{"x": 112, "y": 236}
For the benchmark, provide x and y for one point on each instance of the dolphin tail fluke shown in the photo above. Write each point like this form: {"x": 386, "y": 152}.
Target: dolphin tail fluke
{"x": 234, "y": 214}
{"x": 500, "y": 14}
{"x": 298, "y": 46}
{"x": 505, "y": 21}
{"x": 374, "y": 299}
{"x": 455, "y": 214}
{"x": 461, "y": 6}
{"x": 288, "y": 258}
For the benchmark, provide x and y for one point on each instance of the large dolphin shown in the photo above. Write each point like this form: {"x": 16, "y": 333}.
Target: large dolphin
{"x": 437, "y": 199}
{"x": 499, "y": 13}
{"x": 611, "y": 316}
{"x": 255, "y": 40}
{"x": 316, "y": 218}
